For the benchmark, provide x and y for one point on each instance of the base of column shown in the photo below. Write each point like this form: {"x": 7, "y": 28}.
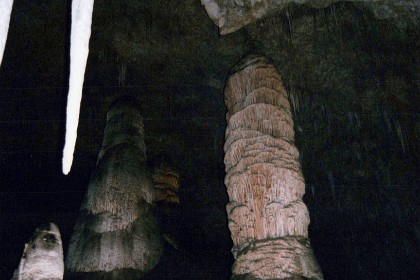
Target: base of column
{"x": 281, "y": 258}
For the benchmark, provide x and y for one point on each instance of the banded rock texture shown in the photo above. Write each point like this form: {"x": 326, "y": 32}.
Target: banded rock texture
{"x": 117, "y": 235}
{"x": 166, "y": 182}
{"x": 267, "y": 217}
{"x": 43, "y": 256}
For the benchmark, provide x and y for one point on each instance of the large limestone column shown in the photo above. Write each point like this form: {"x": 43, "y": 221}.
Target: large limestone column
{"x": 117, "y": 235}
{"x": 267, "y": 217}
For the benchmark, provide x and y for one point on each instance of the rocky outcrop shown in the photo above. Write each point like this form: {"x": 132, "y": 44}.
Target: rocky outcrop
{"x": 267, "y": 217}
{"x": 43, "y": 255}
{"x": 117, "y": 235}
{"x": 231, "y": 15}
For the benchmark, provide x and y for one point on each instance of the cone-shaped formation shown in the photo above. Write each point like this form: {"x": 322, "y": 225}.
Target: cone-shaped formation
{"x": 267, "y": 217}
{"x": 117, "y": 235}
{"x": 81, "y": 21}
{"x": 43, "y": 255}
{"x": 5, "y": 11}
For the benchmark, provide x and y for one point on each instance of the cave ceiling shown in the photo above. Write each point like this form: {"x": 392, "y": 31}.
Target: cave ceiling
{"x": 351, "y": 70}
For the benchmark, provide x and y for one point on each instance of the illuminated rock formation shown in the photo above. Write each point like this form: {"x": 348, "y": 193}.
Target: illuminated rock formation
{"x": 166, "y": 182}
{"x": 5, "y": 11}
{"x": 43, "y": 255}
{"x": 117, "y": 235}
{"x": 231, "y": 15}
{"x": 267, "y": 217}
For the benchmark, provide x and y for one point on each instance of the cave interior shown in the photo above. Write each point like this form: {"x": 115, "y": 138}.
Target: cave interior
{"x": 352, "y": 73}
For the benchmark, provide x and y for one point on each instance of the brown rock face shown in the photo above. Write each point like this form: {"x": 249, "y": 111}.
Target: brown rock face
{"x": 166, "y": 182}
{"x": 117, "y": 235}
{"x": 267, "y": 217}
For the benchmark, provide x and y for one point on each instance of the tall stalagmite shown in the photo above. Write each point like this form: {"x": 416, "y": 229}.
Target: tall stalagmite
{"x": 267, "y": 217}
{"x": 117, "y": 236}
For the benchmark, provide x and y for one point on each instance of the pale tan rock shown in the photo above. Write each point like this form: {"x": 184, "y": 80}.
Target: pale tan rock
{"x": 43, "y": 255}
{"x": 117, "y": 232}
{"x": 231, "y": 15}
{"x": 264, "y": 118}
{"x": 278, "y": 259}
{"x": 267, "y": 217}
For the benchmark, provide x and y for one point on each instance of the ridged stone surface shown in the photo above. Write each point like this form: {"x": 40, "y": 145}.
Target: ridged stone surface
{"x": 117, "y": 232}
{"x": 267, "y": 217}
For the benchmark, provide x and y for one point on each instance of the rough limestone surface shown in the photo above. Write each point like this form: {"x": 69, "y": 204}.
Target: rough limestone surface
{"x": 117, "y": 235}
{"x": 166, "y": 182}
{"x": 231, "y": 15}
{"x": 267, "y": 217}
{"x": 43, "y": 255}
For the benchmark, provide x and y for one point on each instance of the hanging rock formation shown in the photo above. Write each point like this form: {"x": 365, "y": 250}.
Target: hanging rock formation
{"x": 43, "y": 256}
{"x": 117, "y": 236}
{"x": 231, "y": 15}
{"x": 81, "y": 21}
{"x": 5, "y": 11}
{"x": 267, "y": 217}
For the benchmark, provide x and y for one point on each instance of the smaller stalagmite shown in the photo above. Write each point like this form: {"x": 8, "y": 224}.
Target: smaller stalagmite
{"x": 43, "y": 256}
{"x": 117, "y": 235}
{"x": 166, "y": 182}
{"x": 267, "y": 217}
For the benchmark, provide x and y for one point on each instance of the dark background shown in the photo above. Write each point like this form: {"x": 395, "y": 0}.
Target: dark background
{"x": 353, "y": 81}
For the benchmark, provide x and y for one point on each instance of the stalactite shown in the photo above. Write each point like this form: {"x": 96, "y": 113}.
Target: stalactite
{"x": 117, "y": 234}
{"x": 289, "y": 22}
{"x": 5, "y": 11}
{"x": 294, "y": 99}
{"x": 122, "y": 71}
{"x": 267, "y": 217}
{"x": 43, "y": 255}
{"x": 400, "y": 135}
{"x": 81, "y": 20}
{"x": 332, "y": 186}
